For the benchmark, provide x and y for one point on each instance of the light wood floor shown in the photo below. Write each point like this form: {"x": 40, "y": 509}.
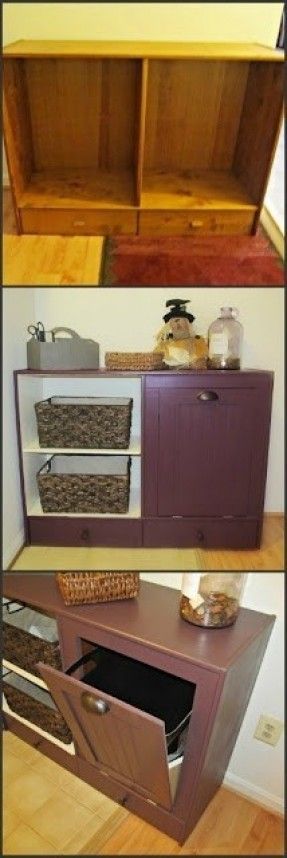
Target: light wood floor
{"x": 48, "y": 260}
{"x": 48, "y": 811}
{"x": 269, "y": 557}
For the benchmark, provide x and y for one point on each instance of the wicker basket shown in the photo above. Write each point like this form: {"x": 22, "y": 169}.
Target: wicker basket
{"x": 36, "y": 706}
{"x": 85, "y": 484}
{"x": 23, "y": 648}
{"x": 84, "y": 422}
{"x": 137, "y": 361}
{"x": 80, "y": 588}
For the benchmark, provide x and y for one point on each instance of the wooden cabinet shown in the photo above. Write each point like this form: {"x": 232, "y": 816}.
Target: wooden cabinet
{"x": 121, "y": 747}
{"x": 198, "y": 447}
{"x": 140, "y": 137}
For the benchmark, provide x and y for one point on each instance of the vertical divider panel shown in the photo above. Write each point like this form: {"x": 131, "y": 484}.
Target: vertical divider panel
{"x": 141, "y": 130}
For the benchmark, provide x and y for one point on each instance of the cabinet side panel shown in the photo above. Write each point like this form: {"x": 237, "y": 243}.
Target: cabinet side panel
{"x": 17, "y": 127}
{"x": 259, "y": 127}
{"x": 235, "y": 697}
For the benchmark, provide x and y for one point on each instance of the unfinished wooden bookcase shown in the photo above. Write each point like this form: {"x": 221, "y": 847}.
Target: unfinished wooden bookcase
{"x": 140, "y": 137}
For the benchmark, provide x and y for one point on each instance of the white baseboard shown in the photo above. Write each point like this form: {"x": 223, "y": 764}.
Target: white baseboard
{"x": 254, "y": 793}
{"x": 273, "y": 230}
{"x": 13, "y": 549}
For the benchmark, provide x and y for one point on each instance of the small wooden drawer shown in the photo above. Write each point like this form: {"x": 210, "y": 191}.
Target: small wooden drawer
{"x": 78, "y": 222}
{"x": 53, "y": 530}
{"x": 196, "y": 222}
{"x": 200, "y": 532}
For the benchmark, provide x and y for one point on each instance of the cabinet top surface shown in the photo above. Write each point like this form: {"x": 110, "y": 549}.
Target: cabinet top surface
{"x": 134, "y": 49}
{"x": 152, "y": 620}
{"x": 187, "y": 373}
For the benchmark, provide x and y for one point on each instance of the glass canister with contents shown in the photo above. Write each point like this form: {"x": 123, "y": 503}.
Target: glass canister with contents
{"x": 225, "y": 340}
{"x": 211, "y": 599}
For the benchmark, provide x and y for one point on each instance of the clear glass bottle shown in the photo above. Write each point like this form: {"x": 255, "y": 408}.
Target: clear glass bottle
{"x": 225, "y": 340}
{"x": 211, "y": 599}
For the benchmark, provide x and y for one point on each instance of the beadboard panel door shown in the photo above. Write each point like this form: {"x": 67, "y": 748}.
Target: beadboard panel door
{"x": 125, "y": 742}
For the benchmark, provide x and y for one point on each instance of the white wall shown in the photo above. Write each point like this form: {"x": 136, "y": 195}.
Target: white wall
{"x": 258, "y": 22}
{"x": 127, "y": 320}
{"x": 18, "y": 312}
{"x": 257, "y": 769}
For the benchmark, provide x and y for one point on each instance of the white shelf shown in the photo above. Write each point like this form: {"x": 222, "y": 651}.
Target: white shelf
{"x": 30, "y": 676}
{"x": 70, "y": 749}
{"x": 134, "y": 511}
{"x": 134, "y": 449}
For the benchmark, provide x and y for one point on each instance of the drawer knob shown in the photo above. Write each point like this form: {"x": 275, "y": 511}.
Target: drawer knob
{"x": 196, "y": 224}
{"x": 97, "y": 707}
{"x": 79, "y": 223}
{"x": 207, "y": 396}
{"x": 85, "y": 534}
{"x": 199, "y": 536}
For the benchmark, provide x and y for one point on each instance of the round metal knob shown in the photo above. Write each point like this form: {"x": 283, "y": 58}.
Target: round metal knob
{"x": 199, "y": 535}
{"x": 91, "y": 704}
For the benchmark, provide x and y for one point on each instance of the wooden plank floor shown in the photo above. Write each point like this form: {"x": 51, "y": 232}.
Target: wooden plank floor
{"x": 48, "y": 811}
{"x": 269, "y": 557}
{"x": 48, "y": 260}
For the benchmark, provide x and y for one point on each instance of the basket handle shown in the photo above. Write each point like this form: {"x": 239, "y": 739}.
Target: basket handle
{"x": 83, "y": 660}
{"x": 73, "y": 333}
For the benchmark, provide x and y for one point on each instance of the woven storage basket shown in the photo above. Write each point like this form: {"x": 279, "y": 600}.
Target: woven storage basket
{"x": 24, "y": 649}
{"x": 85, "y": 484}
{"x": 140, "y": 361}
{"x": 34, "y": 710}
{"x": 80, "y": 588}
{"x": 84, "y": 422}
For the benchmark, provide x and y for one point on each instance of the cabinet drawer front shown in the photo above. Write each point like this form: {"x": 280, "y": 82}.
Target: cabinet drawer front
{"x": 78, "y": 222}
{"x": 124, "y": 741}
{"x": 51, "y": 750}
{"x": 200, "y": 533}
{"x": 46, "y": 530}
{"x": 196, "y": 222}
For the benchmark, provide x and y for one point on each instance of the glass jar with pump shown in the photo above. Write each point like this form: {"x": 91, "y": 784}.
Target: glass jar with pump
{"x": 211, "y": 599}
{"x": 225, "y": 340}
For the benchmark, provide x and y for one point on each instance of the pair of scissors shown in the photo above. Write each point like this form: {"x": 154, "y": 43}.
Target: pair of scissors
{"x": 37, "y": 331}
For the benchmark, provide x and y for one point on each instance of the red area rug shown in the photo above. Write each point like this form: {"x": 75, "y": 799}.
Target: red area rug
{"x": 191, "y": 261}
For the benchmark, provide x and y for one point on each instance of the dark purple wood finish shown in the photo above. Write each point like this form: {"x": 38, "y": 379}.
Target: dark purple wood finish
{"x": 150, "y": 624}
{"x": 125, "y": 743}
{"x": 200, "y": 532}
{"x": 227, "y": 720}
{"x": 223, "y": 664}
{"x": 199, "y": 459}
{"x": 20, "y": 456}
{"x": 152, "y": 813}
{"x": 210, "y": 459}
{"x": 205, "y": 453}
{"x": 49, "y": 749}
{"x": 116, "y": 533}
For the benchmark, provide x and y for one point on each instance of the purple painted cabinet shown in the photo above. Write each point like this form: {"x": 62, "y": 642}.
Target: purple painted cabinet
{"x": 206, "y": 441}
{"x": 203, "y": 463}
{"x": 123, "y": 749}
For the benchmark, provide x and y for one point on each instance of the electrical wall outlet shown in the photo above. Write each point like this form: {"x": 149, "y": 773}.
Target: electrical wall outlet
{"x": 268, "y": 729}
